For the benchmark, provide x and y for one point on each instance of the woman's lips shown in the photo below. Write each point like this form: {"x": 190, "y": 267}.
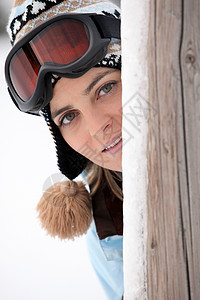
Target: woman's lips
{"x": 114, "y": 146}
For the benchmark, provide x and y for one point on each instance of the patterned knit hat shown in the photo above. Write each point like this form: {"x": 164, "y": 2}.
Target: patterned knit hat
{"x": 26, "y": 15}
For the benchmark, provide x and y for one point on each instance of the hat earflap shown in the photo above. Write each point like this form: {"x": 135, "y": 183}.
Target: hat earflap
{"x": 65, "y": 210}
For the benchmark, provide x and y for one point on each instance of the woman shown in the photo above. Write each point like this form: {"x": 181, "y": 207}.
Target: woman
{"x": 65, "y": 65}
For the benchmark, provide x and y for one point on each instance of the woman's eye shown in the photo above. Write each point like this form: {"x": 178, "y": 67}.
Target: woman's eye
{"x": 67, "y": 118}
{"x": 106, "y": 88}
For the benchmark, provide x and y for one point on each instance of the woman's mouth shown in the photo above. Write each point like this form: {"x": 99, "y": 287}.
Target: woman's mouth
{"x": 115, "y": 146}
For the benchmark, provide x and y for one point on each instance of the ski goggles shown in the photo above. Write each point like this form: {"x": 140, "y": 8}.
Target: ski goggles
{"x": 67, "y": 45}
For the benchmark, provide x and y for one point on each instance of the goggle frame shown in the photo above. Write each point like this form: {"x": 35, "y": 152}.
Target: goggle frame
{"x": 101, "y": 28}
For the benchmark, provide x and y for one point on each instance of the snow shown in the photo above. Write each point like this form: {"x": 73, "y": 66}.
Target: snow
{"x": 135, "y": 18}
{"x": 32, "y": 264}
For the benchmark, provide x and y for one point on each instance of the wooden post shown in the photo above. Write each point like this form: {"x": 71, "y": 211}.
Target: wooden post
{"x": 173, "y": 245}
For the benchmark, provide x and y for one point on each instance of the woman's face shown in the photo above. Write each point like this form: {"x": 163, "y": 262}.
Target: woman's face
{"x": 88, "y": 112}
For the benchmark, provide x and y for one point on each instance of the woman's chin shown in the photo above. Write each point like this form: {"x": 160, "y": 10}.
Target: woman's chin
{"x": 113, "y": 166}
{"x": 114, "y": 162}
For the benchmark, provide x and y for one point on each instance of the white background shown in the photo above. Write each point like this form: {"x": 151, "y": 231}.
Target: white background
{"x": 33, "y": 266}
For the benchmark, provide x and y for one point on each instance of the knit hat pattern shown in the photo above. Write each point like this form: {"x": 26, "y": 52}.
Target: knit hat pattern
{"x": 28, "y": 14}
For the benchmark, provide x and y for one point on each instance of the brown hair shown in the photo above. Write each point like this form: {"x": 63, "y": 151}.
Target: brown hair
{"x": 95, "y": 175}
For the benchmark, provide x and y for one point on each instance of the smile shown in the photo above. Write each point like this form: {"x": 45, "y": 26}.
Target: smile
{"x": 115, "y": 146}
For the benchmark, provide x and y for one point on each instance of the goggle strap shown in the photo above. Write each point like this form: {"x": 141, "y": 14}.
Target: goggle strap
{"x": 109, "y": 27}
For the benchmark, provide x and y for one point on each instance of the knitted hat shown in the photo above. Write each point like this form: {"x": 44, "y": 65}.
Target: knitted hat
{"x": 64, "y": 209}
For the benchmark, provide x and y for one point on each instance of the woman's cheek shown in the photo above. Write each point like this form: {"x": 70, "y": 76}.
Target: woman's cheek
{"x": 76, "y": 141}
{"x": 116, "y": 104}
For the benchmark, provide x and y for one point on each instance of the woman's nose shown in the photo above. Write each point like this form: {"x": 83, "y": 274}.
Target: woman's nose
{"x": 98, "y": 122}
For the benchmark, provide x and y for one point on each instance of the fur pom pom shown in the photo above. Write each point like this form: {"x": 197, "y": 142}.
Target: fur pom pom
{"x": 65, "y": 210}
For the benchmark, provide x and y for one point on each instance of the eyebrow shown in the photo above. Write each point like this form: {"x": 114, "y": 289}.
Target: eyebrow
{"x": 57, "y": 112}
{"x": 95, "y": 80}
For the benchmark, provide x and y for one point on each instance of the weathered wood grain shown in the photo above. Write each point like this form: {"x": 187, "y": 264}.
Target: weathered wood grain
{"x": 173, "y": 247}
